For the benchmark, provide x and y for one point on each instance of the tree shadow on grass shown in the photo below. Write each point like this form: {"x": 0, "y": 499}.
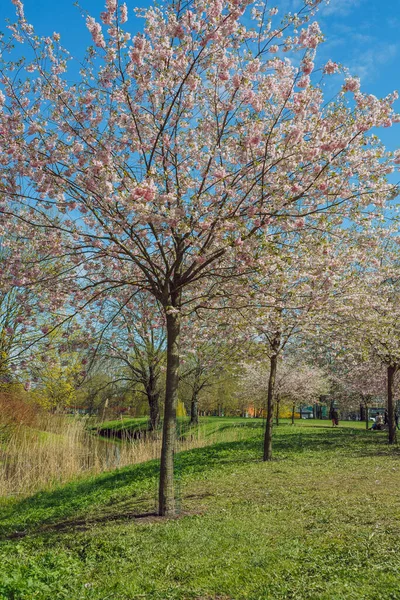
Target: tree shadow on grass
{"x": 137, "y": 483}
{"x": 136, "y": 486}
{"x": 252, "y": 425}
{"x": 78, "y": 497}
{"x": 346, "y": 441}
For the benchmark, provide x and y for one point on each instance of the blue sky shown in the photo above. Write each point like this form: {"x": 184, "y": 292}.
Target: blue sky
{"x": 361, "y": 34}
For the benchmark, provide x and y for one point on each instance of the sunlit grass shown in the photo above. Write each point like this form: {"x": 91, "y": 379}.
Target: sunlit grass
{"x": 321, "y": 521}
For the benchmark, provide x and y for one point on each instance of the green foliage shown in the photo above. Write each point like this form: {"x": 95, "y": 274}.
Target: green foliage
{"x": 128, "y": 425}
{"x": 208, "y": 425}
{"x": 58, "y": 374}
{"x": 319, "y": 522}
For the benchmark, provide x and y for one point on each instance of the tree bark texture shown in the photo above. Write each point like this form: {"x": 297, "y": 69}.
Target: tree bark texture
{"x": 194, "y": 410}
{"x": 366, "y": 413}
{"x": 270, "y": 408}
{"x": 166, "y": 505}
{"x": 277, "y": 411}
{"x": 391, "y": 371}
{"x": 154, "y": 411}
{"x": 153, "y": 396}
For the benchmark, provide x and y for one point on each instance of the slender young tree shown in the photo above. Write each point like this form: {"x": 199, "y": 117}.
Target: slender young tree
{"x": 364, "y": 327}
{"x": 296, "y": 381}
{"x": 309, "y": 274}
{"x": 380, "y": 328}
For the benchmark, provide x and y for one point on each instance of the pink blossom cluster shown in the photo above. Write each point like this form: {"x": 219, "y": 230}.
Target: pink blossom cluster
{"x": 351, "y": 84}
{"x": 331, "y": 67}
{"x": 95, "y": 30}
{"x": 179, "y": 156}
{"x": 311, "y": 37}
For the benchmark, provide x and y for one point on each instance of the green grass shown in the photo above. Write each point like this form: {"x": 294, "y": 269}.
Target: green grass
{"x": 208, "y": 425}
{"x": 125, "y": 423}
{"x": 322, "y": 521}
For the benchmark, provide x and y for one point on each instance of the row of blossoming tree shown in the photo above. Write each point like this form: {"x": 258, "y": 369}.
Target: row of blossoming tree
{"x": 197, "y": 162}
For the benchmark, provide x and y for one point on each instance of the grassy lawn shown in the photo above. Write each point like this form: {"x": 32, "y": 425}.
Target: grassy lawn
{"x": 208, "y": 426}
{"x": 322, "y": 521}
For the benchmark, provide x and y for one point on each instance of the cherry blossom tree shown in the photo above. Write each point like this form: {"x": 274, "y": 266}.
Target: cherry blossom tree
{"x": 21, "y": 315}
{"x": 362, "y": 379}
{"x": 310, "y": 273}
{"x": 363, "y": 327}
{"x": 300, "y": 383}
{"x": 296, "y": 382}
{"x": 380, "y": 326}
{"x": 178, "y": 153}
{"x": 11, "y": 332}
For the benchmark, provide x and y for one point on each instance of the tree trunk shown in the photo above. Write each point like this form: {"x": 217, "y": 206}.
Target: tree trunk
{"x": 366, "y": 415}
{"x": 391, "y": 371}
{"x": 194, "y": 411}
{"x": 152, "y": 397}
{"x": 293, "y": 409}
{"x": 270, "y": 408}
{"x": 277, "y": 411}
{"x": 104, "y": 410}
{"x": 166, "y": 505}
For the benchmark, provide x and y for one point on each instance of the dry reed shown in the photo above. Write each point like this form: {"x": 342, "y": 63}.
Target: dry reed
{"x": 58, "y": 449}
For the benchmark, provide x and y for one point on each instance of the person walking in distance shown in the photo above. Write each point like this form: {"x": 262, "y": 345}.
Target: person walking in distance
{"x": 335, "y": 417}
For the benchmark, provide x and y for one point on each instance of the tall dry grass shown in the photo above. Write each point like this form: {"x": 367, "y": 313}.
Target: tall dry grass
{"x": 55, "y": 449}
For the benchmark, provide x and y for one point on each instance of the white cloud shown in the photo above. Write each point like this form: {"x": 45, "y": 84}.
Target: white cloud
{"x": 367, "y": 63}
{"x": 340, "y": 7}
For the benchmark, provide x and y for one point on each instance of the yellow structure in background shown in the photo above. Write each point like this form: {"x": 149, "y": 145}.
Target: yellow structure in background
{"x": 284, "y": 413}
{"x": 180, "y": 409}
